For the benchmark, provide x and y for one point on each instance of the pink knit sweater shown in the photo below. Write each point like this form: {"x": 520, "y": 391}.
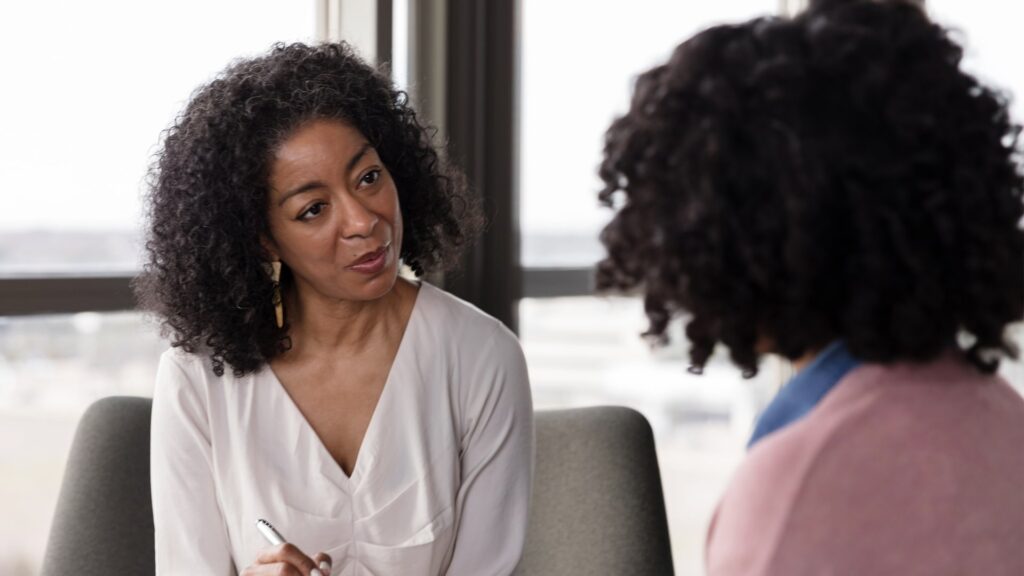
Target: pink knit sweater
{"x": 910, "y": 469}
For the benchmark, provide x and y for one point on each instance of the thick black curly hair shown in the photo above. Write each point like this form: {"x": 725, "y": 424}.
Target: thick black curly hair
{"x": 831, "y": 176}
{"x": 209, "y": 183}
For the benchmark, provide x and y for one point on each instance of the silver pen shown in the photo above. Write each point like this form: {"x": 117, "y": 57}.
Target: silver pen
{"x": 275, "y": 539}
{"x": 268, "y": 531}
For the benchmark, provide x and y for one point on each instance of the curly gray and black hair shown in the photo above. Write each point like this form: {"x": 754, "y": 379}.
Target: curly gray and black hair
{"x": 209, "y": 184}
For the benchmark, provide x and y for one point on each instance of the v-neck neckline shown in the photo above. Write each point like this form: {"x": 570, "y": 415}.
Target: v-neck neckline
{"x": 330, "y": 467}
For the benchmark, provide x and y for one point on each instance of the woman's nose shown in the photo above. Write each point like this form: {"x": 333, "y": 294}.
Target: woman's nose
{"x": 357, "y": 220}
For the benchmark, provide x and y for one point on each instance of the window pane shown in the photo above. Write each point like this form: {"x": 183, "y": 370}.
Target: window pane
{"x": 91, "y": 86}
{"x": 51, "y": 369}
{"x": 81, "y": 122}
{"x": 575, "y": 80}
{"x": 587, "y": 351}
{"x": 991, "y": 34}
{"x": 991, "y": 38}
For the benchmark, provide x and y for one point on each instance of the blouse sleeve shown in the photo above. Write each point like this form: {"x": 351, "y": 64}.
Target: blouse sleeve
{"x": 492, "y": 503}
{"x": 191, "y": 535}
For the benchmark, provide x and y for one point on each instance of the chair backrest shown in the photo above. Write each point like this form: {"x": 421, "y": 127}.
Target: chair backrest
{"x": 597, "y": 507}
{"x": 104, "y": 519}
{"x": 597, "y": 502}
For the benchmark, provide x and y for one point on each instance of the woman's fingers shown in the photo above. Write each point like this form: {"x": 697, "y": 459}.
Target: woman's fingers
{"x": 324, "y": 562}
{"x": 288, "y": 553}
{"x": 272, "y": 569}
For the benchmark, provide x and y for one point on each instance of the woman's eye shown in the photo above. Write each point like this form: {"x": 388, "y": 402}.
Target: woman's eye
{"x": 371, "y": 177}
{"x": 312, "y": 211}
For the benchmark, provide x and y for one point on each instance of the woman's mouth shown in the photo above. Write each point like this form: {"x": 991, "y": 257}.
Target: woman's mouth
{"x": 371, "y": 262}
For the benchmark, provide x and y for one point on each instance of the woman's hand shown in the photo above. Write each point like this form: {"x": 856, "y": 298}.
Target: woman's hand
{"x": 287, "y": 560}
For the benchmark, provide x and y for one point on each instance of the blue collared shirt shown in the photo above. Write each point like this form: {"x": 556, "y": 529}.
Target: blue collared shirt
{"x": 805, "y": 390}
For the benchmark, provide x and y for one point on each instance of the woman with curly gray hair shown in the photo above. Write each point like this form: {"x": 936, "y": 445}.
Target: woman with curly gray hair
{"x": 834, "y": 189}
{"x": 382, "y": 425}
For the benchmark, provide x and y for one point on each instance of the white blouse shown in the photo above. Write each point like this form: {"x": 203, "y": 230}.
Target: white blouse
{"x": 441, "y": 483}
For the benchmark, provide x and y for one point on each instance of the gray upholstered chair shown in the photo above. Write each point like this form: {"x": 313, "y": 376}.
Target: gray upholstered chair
{"x": 598, "y": 506}
{"x": 104, "y": 518}
{"x": 597, "y": 501}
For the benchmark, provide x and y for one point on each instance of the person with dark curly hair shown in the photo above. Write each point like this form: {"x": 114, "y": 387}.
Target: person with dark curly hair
{"x": 374, "y": 420}
{"x": 834, "y": 189}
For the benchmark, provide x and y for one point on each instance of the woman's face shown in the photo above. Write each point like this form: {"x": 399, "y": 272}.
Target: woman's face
{"x": 333, "y": 210}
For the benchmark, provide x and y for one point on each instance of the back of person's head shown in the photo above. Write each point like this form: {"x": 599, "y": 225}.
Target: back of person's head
{"x": 790, "y": 182}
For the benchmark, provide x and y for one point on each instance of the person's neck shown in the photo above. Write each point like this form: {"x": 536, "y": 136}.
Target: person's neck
{"x": 345, "y": 327}
{"x": 802, "y": 362}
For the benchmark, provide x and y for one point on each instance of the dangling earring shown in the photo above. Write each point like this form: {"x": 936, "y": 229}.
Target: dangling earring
{"x": 275, "y": 276}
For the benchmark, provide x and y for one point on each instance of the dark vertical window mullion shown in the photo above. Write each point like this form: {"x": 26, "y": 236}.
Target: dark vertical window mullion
{"x": 385, "y": 41}
{"x": 480, "y": 126}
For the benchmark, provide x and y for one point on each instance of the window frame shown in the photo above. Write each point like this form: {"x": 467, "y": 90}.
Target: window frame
{"x": 36, "y": 293}
{"x": 494, "y": 277}
{"x": 462, "y": 52}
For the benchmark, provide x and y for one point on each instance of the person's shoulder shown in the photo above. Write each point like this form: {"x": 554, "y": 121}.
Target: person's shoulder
{"x": 752, "y": 515}
{"x": 781, "y": 462}
{"x": 861, "y": 446}
{"x": 457, "y": 318}
{"x": 190, "y": 362}
{"x": 908, "y": 399}
{"x": 462, "y": 334}
{"x": 179, "y": 370}
{"x": 768, "y": 479}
